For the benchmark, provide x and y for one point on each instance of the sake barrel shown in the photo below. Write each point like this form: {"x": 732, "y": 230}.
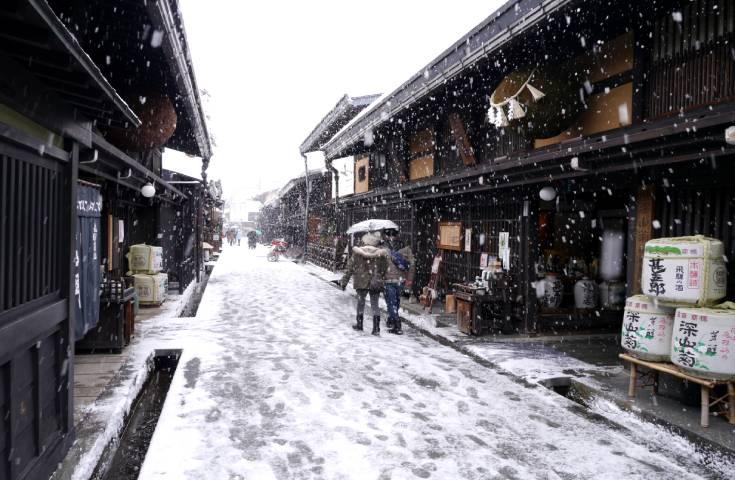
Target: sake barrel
{"x": 684, "y": 271}
{"x": 703, "y": 342}
{"x": 585, "y": 293}
{"x": 151, "y": 289}
{"x": 144, "y": 258}
{"x": 647, "y": 329}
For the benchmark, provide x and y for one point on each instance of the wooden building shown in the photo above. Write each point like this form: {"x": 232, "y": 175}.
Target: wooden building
{"x": 284, "y": 215}
{"x": 617, "y": 110}
{"x": 63, "y": 98}
{"x": 325, "y": 249}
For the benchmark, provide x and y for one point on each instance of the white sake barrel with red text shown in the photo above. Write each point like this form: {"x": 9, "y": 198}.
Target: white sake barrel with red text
{"x": 703, "y": 342}
{"x": 647, "y": 328}
{"x": 684, "y": 271}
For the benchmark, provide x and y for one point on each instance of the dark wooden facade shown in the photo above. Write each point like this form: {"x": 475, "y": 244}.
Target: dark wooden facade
{"x": 669, "y": 139}
{"x": 285, "y": 215}
{"x": 53, "y": 97}
{"x": 36, "y": 284}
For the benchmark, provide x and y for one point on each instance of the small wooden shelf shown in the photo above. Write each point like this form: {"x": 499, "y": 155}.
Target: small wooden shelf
{"x": 706, "y": 385}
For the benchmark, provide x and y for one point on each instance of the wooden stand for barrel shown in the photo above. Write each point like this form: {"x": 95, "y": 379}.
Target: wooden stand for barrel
{"x": 727, "y": 401}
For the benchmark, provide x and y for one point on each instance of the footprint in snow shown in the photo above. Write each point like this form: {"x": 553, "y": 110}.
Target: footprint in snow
{"x": 544, "y": 420}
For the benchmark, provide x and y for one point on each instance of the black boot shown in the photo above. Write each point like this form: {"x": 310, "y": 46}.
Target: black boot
{"x": 376, "y": 325}
{"x": 358, "y": 325}
{"x": 397, "y": 327}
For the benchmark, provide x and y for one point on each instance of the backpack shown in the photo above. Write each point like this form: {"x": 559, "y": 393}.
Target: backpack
{"x": 399, "y": 261}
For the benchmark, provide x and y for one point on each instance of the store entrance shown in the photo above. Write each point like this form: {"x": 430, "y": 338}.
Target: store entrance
{"x": 581, "y": 267}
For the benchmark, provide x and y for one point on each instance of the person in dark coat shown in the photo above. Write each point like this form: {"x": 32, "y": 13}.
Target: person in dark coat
{"x": 251, "y": 239}
{"x": 401, "y": 270}
{"x": 367, "y": 267}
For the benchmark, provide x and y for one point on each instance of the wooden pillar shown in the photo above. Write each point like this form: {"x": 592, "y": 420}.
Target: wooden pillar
{"x": 640, "y": 230}
{"x": 67, "y": 380}
{"x": 528, "y": 255}
{"x": 705, "y": 406}
{"x": 642, "y": 44}
{"x": 633, "y": 378}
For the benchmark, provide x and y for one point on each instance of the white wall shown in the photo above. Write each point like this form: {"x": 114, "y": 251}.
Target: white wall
{"x": 346, "y": 168}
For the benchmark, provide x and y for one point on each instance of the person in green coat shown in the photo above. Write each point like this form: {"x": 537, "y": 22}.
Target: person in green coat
{"x": 367, "y": 268}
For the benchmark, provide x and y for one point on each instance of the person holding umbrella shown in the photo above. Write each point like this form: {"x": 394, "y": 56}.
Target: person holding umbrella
{"x": 367, "y": 266}
{"x": 252, "y": 235}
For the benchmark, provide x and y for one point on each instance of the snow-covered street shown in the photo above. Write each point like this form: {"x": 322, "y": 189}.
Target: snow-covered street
{"x": 274, "y": 384}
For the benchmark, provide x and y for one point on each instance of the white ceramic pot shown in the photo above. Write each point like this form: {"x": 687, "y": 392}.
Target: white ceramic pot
{"x": 647, "y": 328}
{"x": 552, "y": 291}
{"x": 703, "y": 342}
{"x": 612, "y": 295}
{"x": 685, "y": 270}
{"x": 585, "y": 293}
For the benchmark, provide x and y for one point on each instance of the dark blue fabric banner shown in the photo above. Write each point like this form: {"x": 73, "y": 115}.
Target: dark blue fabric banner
{"x": 87, "y": 259}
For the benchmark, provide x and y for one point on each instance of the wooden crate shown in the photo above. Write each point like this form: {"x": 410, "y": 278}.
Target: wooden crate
{"x": 450, "y": 304}
{"x": 464, "y": 315}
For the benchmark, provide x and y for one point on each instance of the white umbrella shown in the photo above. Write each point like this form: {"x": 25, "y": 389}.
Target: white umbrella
{"x": 372, "y": 225}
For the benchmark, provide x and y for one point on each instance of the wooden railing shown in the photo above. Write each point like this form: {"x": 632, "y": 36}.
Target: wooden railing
{"x": 692, "y": 78}
{"x": 324, "y": 256}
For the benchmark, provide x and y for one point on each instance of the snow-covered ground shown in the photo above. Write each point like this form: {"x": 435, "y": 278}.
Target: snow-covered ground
{"x": 274, "y": 384}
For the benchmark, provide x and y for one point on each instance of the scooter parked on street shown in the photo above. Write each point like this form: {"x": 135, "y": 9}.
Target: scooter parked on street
{"x": 278, "y": 248}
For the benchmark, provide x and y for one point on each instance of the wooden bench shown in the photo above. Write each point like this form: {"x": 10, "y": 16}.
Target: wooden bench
{"x": 706, "y": 385}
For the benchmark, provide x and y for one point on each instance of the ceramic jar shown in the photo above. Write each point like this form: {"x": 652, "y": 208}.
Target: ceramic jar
{"x": 585, "y": 293}
{"x": 551, "y": 291}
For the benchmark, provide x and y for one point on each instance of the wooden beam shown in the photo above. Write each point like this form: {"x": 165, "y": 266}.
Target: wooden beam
{"x": 460, "y": 138}
{"x": 643, "y": 232}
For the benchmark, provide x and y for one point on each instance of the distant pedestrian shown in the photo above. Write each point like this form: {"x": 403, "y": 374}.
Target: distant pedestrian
{"x": 399, "y": 275}
{"x": 239, "y": 236}
{"x": 367, "y": 267}
{"x": 230, "y": 237}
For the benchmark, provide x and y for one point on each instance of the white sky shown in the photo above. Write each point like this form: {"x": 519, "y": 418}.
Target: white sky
{"x": 274, "y": 69}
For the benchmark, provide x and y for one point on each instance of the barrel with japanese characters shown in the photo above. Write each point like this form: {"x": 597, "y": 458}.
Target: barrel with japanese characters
{"x": 684, "y": 271}
{"x": 647, "y": 329}
{"x": 703, "y": 342}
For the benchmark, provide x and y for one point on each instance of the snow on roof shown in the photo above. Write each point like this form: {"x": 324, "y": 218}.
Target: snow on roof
{"x": 510, "y": 19}
{"x": 342, "y": 113}
{"x": 298, "y": 180}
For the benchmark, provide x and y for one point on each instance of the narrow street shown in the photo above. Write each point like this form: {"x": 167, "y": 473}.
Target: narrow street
{"x": 274, "y": 384}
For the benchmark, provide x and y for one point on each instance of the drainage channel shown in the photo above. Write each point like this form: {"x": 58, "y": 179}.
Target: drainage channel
{"x": 191, "y": 308}
{"x": 122, "y": 459}
{"x": 582, "y": 398}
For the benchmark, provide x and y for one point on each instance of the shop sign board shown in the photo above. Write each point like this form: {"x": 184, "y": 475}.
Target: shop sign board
{"x": 450, "y": 236}
{"x": 504, "y": 249}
